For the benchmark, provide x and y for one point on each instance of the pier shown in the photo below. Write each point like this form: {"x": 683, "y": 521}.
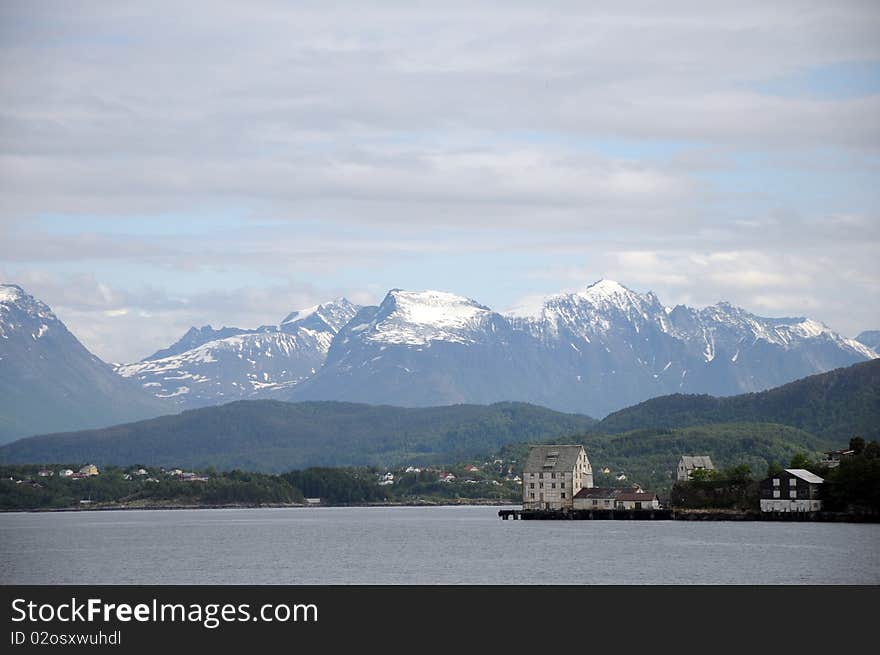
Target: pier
{"x": 679, "y": 515}
{"x": 586, "y": 514}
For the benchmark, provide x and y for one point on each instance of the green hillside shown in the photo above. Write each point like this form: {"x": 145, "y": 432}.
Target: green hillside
{"x": 273, "y": 436}
{"x": 835, "y": 405}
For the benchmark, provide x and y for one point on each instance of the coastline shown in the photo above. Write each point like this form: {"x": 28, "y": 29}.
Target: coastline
{"x": 174, "y": 506}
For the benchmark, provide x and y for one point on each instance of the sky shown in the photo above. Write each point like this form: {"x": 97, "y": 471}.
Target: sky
{"x": 164, "y": 165}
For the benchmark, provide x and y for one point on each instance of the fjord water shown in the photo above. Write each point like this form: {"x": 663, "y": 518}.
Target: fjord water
{"x": 422, "y": 545}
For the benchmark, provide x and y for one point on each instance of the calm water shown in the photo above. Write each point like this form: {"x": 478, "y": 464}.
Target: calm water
{"x": 451, "y": 545}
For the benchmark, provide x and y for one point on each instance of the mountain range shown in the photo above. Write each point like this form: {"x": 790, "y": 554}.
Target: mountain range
{"x": 209, "y": 367}
{"x": 592, "y": 352}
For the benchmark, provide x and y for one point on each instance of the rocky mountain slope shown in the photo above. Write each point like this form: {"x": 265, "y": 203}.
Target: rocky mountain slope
{"x": 49, "y": 381}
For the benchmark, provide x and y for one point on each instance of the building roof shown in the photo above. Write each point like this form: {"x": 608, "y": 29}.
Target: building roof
{"x": 598, "y": 492}
{"x": 805, "y": 475}
{"x": 696, "y": 461}
{"x": 639, "y": 496}
{"x": 552, "y": 458}
{"x": 615, "y": 493}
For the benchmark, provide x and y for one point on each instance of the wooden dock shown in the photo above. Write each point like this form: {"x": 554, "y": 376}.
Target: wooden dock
{"x": 678, "y": 515}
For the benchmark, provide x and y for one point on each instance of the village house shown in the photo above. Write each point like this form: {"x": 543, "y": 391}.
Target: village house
{"x": 553, "y": 475}
{"x": 690, "y": 463}
{"x": 615, "y": 498}
{"x": 637, "y": 500}
{"x": 595, "y": 498}
{"x": 793, "y": 490}
{"x": 831, "y": 458}
{"x": 89, "y": 470}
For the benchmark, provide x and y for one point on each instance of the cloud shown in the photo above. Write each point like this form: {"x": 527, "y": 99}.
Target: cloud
{"x": 521, "y": 147}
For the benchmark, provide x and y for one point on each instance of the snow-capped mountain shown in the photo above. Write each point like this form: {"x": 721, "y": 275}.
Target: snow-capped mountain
{"x": 424, "y": 348}
{"x": 208, "y": 366}
{"x": 626, "y": 347}
{"x": 594, "y": 351}
{"x": 50, "y": 382}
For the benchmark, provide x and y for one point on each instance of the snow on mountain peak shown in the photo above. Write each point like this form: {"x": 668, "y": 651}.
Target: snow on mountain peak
{"x": 417, "y": 317}
{"x": 300, "y": 314}
{"x": 10, "y": 293}
{"x": 332, "y": 314}
{"x": 608, "y": 293}
{"x": 606, "y": 287}
{"x": 19, "y": 308}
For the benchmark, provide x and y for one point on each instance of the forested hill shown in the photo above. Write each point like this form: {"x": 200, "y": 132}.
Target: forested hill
{"x": 834, "y": 405}
{"x": 274, "y": 436}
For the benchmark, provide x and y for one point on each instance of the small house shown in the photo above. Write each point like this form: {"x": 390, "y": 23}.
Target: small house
{"x": 615, "y": 498}
{"x": 596, "y": 498}
{"x": 690, "y": 463}
{"x": 88, "y": 470}
{"x": 831, "y": 458}
{"x": 553, "y": 475}
{"x": 793, "y": 490}
{"x": 637, "y": 500}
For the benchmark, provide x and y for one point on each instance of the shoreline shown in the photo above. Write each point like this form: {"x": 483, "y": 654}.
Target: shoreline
{"x": 127, "y": 508}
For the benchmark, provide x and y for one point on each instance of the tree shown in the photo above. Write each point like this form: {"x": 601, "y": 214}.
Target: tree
{"x": 702, "y": 475}
{"x": 801, "y": 461}
{"x": 857, "y": 445}
{"x": 774, "y": 470}
{"x": 739, "y": 474}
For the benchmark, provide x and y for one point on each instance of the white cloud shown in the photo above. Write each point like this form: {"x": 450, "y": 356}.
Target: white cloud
{"x": 610, "y": 139}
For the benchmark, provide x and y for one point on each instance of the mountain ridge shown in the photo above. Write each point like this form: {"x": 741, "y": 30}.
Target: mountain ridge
{"x": 272, "y": 435}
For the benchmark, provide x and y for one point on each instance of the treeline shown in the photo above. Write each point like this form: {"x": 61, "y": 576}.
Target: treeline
{"x": 853, "y": 486}
{"x": 22, "y": 487}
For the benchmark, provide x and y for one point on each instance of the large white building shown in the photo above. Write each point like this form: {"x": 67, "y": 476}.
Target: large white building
{"x": 553, "y": 475}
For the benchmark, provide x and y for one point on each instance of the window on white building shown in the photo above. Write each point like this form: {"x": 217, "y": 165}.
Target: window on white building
{"x": 775, "y": 482}
{"x": 776, "y": 493}
{"x": 792, "y": 482}
{"x": 792, "y": 493}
